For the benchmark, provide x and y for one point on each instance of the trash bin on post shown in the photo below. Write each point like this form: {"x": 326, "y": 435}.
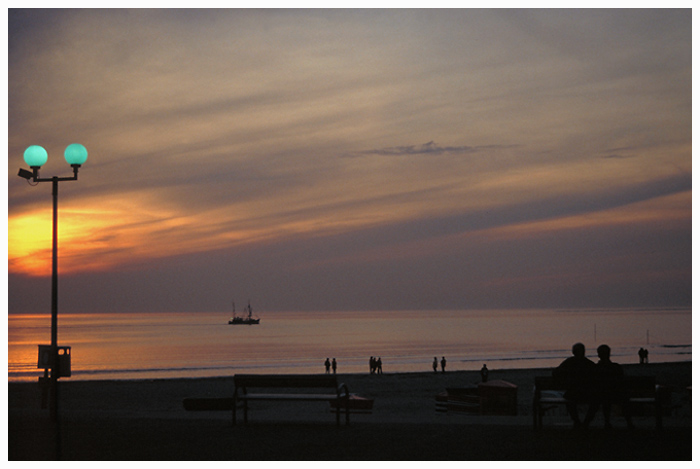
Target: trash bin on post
{"x": 63, "y": 362}
{"x": 498, "y": 397}
{"x": 59, "y": 364}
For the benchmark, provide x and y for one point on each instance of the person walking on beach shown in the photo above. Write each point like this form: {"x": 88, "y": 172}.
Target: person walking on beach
{"x": 334, "y": 365}
{"x": 371, "y": 365}
{"x": 643, "y": 356}
{"x": 328, "y": 366}
{"x": 435, "y": 364}
{"x": 576, "y": 373}
{"x": 378, "y": 365}
{"x": 443, "y": 363}
{"x": 484, "y": 373}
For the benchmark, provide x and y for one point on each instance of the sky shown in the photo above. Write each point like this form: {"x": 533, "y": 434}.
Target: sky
{"x": 352, "y": 159}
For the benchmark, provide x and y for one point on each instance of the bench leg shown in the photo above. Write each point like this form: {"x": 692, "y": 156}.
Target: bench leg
{"x": 340, "y": 401}
{"x": 536, "y": 416}
{"x": 236, "y": 403}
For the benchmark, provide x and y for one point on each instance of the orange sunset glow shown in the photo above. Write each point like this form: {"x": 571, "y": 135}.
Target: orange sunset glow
{"x": 399, "y": 233}
{"x": 337, "y": 160}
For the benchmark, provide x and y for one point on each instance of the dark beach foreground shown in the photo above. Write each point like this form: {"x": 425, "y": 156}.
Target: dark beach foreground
{"x": 145, "y": 420}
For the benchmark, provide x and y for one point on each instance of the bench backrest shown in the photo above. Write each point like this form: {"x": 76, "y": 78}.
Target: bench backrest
{"x": 640, "y": 386}
{"x": 285, "y": 381}
{"x": 548, "y": 383}
{"x": 637, "y": 386}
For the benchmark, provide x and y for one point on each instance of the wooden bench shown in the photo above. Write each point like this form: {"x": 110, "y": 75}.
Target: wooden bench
{"x": 549, "y": 393}
{"x": 290, "y": 388}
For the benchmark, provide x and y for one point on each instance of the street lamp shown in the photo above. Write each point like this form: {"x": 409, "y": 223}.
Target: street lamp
{"x": 36, "y": 156}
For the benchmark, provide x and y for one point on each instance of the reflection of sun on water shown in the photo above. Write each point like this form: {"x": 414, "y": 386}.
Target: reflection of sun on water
{"x": 156, "y": 345}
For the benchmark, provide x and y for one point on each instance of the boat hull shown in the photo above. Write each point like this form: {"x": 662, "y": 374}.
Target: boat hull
{"x": 244, "y": 321}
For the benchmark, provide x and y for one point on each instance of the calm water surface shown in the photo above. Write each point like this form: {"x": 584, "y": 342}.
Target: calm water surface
{"x": 159, "y": 345}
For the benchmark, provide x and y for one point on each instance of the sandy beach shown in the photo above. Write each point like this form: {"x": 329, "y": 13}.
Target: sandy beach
{"x": 146, "y": 420}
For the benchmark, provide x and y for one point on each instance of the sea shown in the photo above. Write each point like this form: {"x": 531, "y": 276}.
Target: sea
{"x": 128, "y": 346}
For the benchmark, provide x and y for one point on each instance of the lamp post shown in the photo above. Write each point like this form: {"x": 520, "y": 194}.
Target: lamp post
{"x": 35, "y": 156}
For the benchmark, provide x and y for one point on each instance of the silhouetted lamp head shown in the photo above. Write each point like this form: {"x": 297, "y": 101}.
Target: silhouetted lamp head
{"x": 75, "y": 154}
{"x": 35, "y": 156}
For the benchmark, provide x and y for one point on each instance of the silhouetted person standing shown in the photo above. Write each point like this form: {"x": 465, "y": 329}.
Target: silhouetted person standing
{"x": 608, "y": 389}
{"x": 576, "y": 373}
{"x": 371, "y": 365}
{"x": 484, "y": 373}
{"x": 378, "y": 364}
{"x": 435, "y": 364}
{"x": 328, "y": 366}
{"x": 443, "y": 363}
{"x": 334, "y": 365}
{"x": 643, "y": 355}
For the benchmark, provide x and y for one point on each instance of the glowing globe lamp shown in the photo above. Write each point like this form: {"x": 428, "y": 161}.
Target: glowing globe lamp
{"x": 35, "y": 156}
{"x": 75, "y": 154}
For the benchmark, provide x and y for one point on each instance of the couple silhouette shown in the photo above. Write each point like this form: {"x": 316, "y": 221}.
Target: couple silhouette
{"x": 596, "y": 384}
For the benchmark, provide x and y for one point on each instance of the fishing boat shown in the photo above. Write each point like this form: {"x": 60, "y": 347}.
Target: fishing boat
{"x": 244, "y": 319}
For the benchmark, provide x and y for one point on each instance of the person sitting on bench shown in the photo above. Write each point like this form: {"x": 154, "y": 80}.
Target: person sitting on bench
{"x": 576, "y": 374}
{"x": 608, "y": 389}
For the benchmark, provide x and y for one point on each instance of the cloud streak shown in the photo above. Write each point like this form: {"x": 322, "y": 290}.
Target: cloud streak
{"x": 433, "y": 149}
{"x": 289, "y": 141}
